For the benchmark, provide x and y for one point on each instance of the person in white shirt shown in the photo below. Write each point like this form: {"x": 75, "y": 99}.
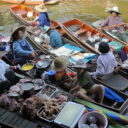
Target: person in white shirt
{"x": 7, "y": 75}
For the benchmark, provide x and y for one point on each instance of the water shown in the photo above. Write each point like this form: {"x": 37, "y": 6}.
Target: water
{"x": 85, "y": 10}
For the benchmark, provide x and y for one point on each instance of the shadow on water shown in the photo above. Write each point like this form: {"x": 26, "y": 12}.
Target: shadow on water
{"x": 85, "y": 10}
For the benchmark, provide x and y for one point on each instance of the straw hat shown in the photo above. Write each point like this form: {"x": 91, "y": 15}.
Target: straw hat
{"x": 16, "y": 29}
{"x": 80, "y": 64}
{"x": 41, "y": 8}
{"x": 60, "y": 63}
{"x": 114, "y": 9}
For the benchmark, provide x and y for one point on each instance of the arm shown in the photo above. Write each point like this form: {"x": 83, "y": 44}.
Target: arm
{"x": 100, "y": 68}
{"x": 105, "y": 23}
{"x": 17, "y": 48}
{"x": 41, "y": 20}
{"x": 31, "y": 48}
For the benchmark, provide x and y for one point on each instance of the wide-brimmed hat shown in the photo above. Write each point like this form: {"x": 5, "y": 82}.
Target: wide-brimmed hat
{"x": 13, "y": 31}
{"x": 80, "y": 64}
{"x": 60, "y": 63}
{"x": 114, "y": 9}
{"x": 41, "y": 8}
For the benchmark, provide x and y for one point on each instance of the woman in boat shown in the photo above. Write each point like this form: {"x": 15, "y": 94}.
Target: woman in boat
{"x": 106, "y": 62}
{"x": 114, "y": 20}
{"x": 43, "y": 18}
{"x": 55, "y": 37}
{"x": 85, "y": 86}
{"x": 63, "y": 78}
{"x": 21, "y": 48}
{"x": 7, "y": 75}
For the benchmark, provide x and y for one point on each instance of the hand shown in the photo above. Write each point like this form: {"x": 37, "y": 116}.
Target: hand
{"x": 33, "y": 54}
{"x": 45, "y": 46}
{"x": 74, "y": 89}
{"x": 36, "y": 54}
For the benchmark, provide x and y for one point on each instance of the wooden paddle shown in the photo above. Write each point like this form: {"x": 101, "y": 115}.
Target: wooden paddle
{"x": 113, "y": 26}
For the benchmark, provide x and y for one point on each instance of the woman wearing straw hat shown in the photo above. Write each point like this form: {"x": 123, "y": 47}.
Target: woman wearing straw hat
{"x": 116, "y": 19}
{"x": 64, "y": 79}
{"x": 43, "y": 18}
{"x": 7, "y": 76}
{"x": 21, "y": 48}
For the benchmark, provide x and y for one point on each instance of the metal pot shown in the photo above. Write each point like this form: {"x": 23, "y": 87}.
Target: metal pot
{"x": 41, "y": 66}
{"x": 28, "y": 89}
{"x": 38, "y": 84}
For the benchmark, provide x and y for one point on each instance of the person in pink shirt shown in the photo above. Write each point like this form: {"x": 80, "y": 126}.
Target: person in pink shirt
{"x": 116, "y": 19}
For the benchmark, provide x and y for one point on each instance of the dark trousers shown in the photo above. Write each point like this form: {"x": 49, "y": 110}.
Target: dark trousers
{"x": 11, "y": 80}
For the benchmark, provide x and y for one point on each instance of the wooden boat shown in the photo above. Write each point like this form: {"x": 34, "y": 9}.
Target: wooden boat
{"x": 120, "y": 109}
{"x": 119, "y": 118}
{"x": 80, "y": 32}
{"x": 20, "y": 13}
{"x": 35, "y": 2}
{"x": 31, "y": 2}
{"x": 97, "y": 25}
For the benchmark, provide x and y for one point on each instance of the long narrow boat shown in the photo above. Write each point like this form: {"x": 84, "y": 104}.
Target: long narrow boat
{"x": 120, "y": 109}
{"x": 81, "y": 32}
{"x": 31, "y": 2}
{"x": 97, "y": 25}
{"x": 112, "y": 80}
{"x": 20, "y": 12}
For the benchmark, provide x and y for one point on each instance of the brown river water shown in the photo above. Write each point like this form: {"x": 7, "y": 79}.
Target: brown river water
{"x": 85, "y": 10}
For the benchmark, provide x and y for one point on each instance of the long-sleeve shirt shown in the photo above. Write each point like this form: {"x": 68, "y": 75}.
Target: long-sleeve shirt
{"x": 43, "y": 20}
{"x": 111, "y": 21}
{"x": 55, "y": 39}
{"x": 106, "y": 64}
{"x": 3, "y": 68}
{"x": 21, "y": 48}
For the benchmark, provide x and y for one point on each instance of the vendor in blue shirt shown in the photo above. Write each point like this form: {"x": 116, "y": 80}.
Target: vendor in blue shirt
{"x": 55, "y": 37}
{"x": 21, "y": 48}
{"x": 43, "y": 18}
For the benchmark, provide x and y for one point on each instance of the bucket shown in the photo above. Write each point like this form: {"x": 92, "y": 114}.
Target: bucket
{"x": 101, "y": 120}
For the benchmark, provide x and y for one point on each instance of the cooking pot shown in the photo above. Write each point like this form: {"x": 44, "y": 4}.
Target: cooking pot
{"x": 41, "y": 66}
{"x": 28, "y": 89}
{"x": 38, "y": 84}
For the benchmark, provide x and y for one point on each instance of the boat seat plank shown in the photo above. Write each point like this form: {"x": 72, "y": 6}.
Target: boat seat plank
{"x": 2, "y": 111}
{"x": 31, "y": 125}
{"x": 16, "y": 118}
{"x": 9, "y": 118}
{"x": 19, "y": 122}
{"x": 24, "y": 124}
{"x": 81, "y": 31}
{"x": 116, "y": 81}
{"x": 4, "y": 116}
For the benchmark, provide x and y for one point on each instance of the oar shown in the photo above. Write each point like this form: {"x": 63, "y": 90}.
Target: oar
{"x": 114, "y": 26}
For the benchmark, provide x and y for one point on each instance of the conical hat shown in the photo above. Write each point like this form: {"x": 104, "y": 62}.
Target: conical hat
{"x": 60, "y": 63}
{"x": 41, "y": 8}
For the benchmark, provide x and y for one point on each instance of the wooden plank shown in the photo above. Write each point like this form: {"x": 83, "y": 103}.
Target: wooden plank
{"x": 16, "y": 118}
{"x": 19, "y": 122}
{"x": 4, "y": 116}
{"x": 32, "y": 125}
{"x": 2, "y": 111}
{"x": 9, "y": 118}
{"x": 24, "y": 124}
